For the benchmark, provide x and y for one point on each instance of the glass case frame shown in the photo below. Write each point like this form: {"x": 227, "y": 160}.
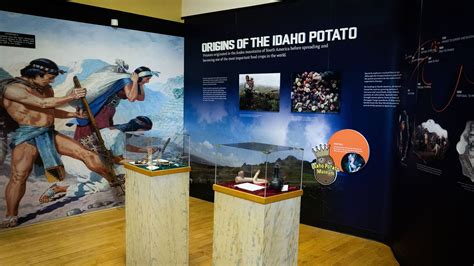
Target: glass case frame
{"x": 154, "y": 152}
{"x": 268, "y": 169}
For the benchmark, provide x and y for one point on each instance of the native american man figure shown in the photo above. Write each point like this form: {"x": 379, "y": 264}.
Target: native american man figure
{"x": 29, "y": 100}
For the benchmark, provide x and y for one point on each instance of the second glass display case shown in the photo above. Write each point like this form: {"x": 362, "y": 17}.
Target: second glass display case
{"x": 258, "y": 168}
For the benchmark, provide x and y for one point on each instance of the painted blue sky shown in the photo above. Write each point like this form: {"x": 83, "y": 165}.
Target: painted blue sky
{"x": 67, "y": 41}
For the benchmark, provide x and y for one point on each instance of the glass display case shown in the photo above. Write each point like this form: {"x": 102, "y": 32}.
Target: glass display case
{"x": 258, "y": 168}
{"x": 154, "y": 152}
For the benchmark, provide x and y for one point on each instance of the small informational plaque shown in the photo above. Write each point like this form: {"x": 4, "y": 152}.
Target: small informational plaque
{"x": 152, "y": 167}
{"x": 249, "y": 186}
{"x": 17, "y": 40}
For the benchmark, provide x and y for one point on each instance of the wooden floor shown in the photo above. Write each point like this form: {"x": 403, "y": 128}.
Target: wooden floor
{"x": 98, "y": 239}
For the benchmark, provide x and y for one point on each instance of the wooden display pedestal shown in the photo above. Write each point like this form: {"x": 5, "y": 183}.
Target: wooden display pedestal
{"x": 157, "y": 216}
{"x": 253, "y": 230}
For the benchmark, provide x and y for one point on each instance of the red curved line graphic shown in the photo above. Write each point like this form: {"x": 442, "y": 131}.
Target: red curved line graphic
{"x": 467, "y": 78}
{"x": 417, "y": 65}
{"x": 423, "y": 77}
{"x": 452, "y": 96}
{"x": 421, "y": 45}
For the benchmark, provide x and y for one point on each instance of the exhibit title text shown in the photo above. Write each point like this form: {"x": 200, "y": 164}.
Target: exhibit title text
{"x": 329, "y": 35}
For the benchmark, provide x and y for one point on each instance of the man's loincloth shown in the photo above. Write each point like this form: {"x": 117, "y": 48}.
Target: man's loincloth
{"x": 49, "y": 162}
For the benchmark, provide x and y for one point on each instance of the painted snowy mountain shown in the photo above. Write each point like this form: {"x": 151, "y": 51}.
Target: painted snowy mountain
{"x": 165, "y": 106}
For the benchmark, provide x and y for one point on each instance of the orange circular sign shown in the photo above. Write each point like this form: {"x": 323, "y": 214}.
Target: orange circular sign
{"x": 347, "y": 141}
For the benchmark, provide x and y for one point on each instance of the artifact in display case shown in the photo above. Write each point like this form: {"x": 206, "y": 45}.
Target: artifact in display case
{"x": 154, "y": 152}
{"x": 258, "y": 168}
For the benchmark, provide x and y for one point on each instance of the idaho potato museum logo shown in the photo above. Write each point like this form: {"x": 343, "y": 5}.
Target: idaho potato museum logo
{"x": 325, "y": 171}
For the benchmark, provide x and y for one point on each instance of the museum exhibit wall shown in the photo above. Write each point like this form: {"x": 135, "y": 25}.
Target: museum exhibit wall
{"x": 81, "y": 41}
{"x": 404, "y": 83}
{"x": 323, "y": 73}
{"x": 433, "y": 192}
